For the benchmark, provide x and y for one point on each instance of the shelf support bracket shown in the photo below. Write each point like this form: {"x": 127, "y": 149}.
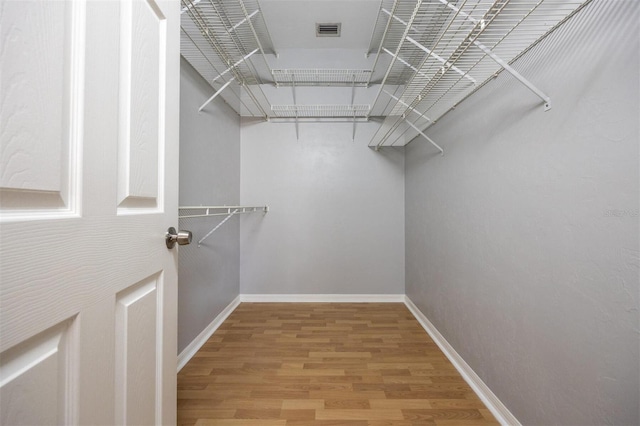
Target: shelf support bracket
{"x": 400, "y": 101}
{"x": 244, "y": 20}
{"x": 353, "y": 99}
{"x": 425, "y": 136}
{"x": 353, "y": 137}
{"x": 217, "y": 226}
{"x": 516, "y": 74}
{"x": 235, "y": 65}
{"x": 295, "y": 106}
{"x": 224, "y": 86}
{"x": 387, "y": 51}
{"x": 499, "y": 61}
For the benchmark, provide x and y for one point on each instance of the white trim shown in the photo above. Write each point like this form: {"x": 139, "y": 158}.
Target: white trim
{"x": 195, "y": 345}
{"x": 323, "y": 298}
{"x": 497, "y": 408}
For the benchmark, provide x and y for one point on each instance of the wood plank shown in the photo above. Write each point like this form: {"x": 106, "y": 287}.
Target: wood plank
{"x": 241, "y": 422}
{"x": 419, "y": 404}
{"x": 354, "y": 414}
{"x": 346, "y": 403}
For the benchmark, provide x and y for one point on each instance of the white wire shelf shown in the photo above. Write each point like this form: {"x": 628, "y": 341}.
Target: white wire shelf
{"x": 443, "y": 50}
{"x": 440, "y": 52}
{"x": 191, "y": 212}
{"x": 320, "y": 111}
{"x": 210, "y": 211}
{"x": 322, "y": 77}
{"x": 227, "y": 40}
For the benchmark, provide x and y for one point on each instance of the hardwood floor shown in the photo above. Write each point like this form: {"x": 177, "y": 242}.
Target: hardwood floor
{"x": 322, "y": 364}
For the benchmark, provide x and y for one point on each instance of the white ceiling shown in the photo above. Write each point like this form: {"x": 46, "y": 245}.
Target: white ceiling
{"x": 291, "y": 23}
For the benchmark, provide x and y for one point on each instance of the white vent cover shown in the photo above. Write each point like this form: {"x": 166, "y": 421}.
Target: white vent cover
{"x": 328, "y": 30}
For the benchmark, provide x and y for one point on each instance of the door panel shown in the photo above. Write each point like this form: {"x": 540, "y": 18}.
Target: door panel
{"x": 88, "y": 190}
{"x": 138, "y": 345}
{"x": 38, "y": 369}
{"x": 41, "y": 83}
{"x": 142, "y": 90}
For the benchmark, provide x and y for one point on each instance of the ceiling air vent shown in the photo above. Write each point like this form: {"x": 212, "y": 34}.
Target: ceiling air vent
{"x": 328, "y": 30}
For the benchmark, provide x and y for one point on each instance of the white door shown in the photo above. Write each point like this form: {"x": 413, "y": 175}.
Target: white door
{"x": 88, "y": 186}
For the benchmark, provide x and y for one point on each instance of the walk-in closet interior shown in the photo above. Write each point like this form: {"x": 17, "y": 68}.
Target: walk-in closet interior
{"x": 478, "y": 159}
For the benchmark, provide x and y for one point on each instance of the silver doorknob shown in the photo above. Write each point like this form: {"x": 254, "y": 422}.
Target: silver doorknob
{"x": 181, "y": 237}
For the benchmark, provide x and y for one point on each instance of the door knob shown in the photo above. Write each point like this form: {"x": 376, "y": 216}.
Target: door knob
{"x": 181, "y": 237}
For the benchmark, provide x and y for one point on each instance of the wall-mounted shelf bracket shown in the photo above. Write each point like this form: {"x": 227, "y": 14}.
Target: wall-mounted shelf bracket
{"x": 353, "y": 137}
{"x": 224, "y": 86}
{"x": 516, "y": 74}
{"x": 499, "y": 61}
{"x": 216, "y": 227}
{"x": 353, "y": 100}
{"x": 425, "y": 136}
{"x": 293, "y": 88}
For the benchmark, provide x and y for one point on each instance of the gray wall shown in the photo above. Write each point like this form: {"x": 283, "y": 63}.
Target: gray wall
{"x": 336, "y": 220}
{"x": 522, "y": 241}
{"x": 209, "y": 175}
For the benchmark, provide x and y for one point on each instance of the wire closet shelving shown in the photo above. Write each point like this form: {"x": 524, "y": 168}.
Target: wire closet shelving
{"x": 322, "y": 77}
{"x": 438, "y": 53}
{"x": 221, "y": 39}
{"x": 443, "y": 50}
{"x": 192, "y": 212}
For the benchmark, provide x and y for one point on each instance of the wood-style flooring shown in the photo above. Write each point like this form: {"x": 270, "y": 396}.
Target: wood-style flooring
{"x": 322, "y": 364}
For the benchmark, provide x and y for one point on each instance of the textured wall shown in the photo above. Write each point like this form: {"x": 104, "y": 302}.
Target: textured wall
{"x": 209, "y": 175}
{"x": 522, "y": 241}
{"x": 336, "y": 223}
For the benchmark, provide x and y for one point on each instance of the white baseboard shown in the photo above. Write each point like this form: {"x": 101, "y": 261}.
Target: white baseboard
{"x": 323, "y": 298}
{"x": 497, "y": 408}
{"x": 202, "y": 338}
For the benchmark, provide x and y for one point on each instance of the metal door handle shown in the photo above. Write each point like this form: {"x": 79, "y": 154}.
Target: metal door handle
{"x": 181, "y": 237}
